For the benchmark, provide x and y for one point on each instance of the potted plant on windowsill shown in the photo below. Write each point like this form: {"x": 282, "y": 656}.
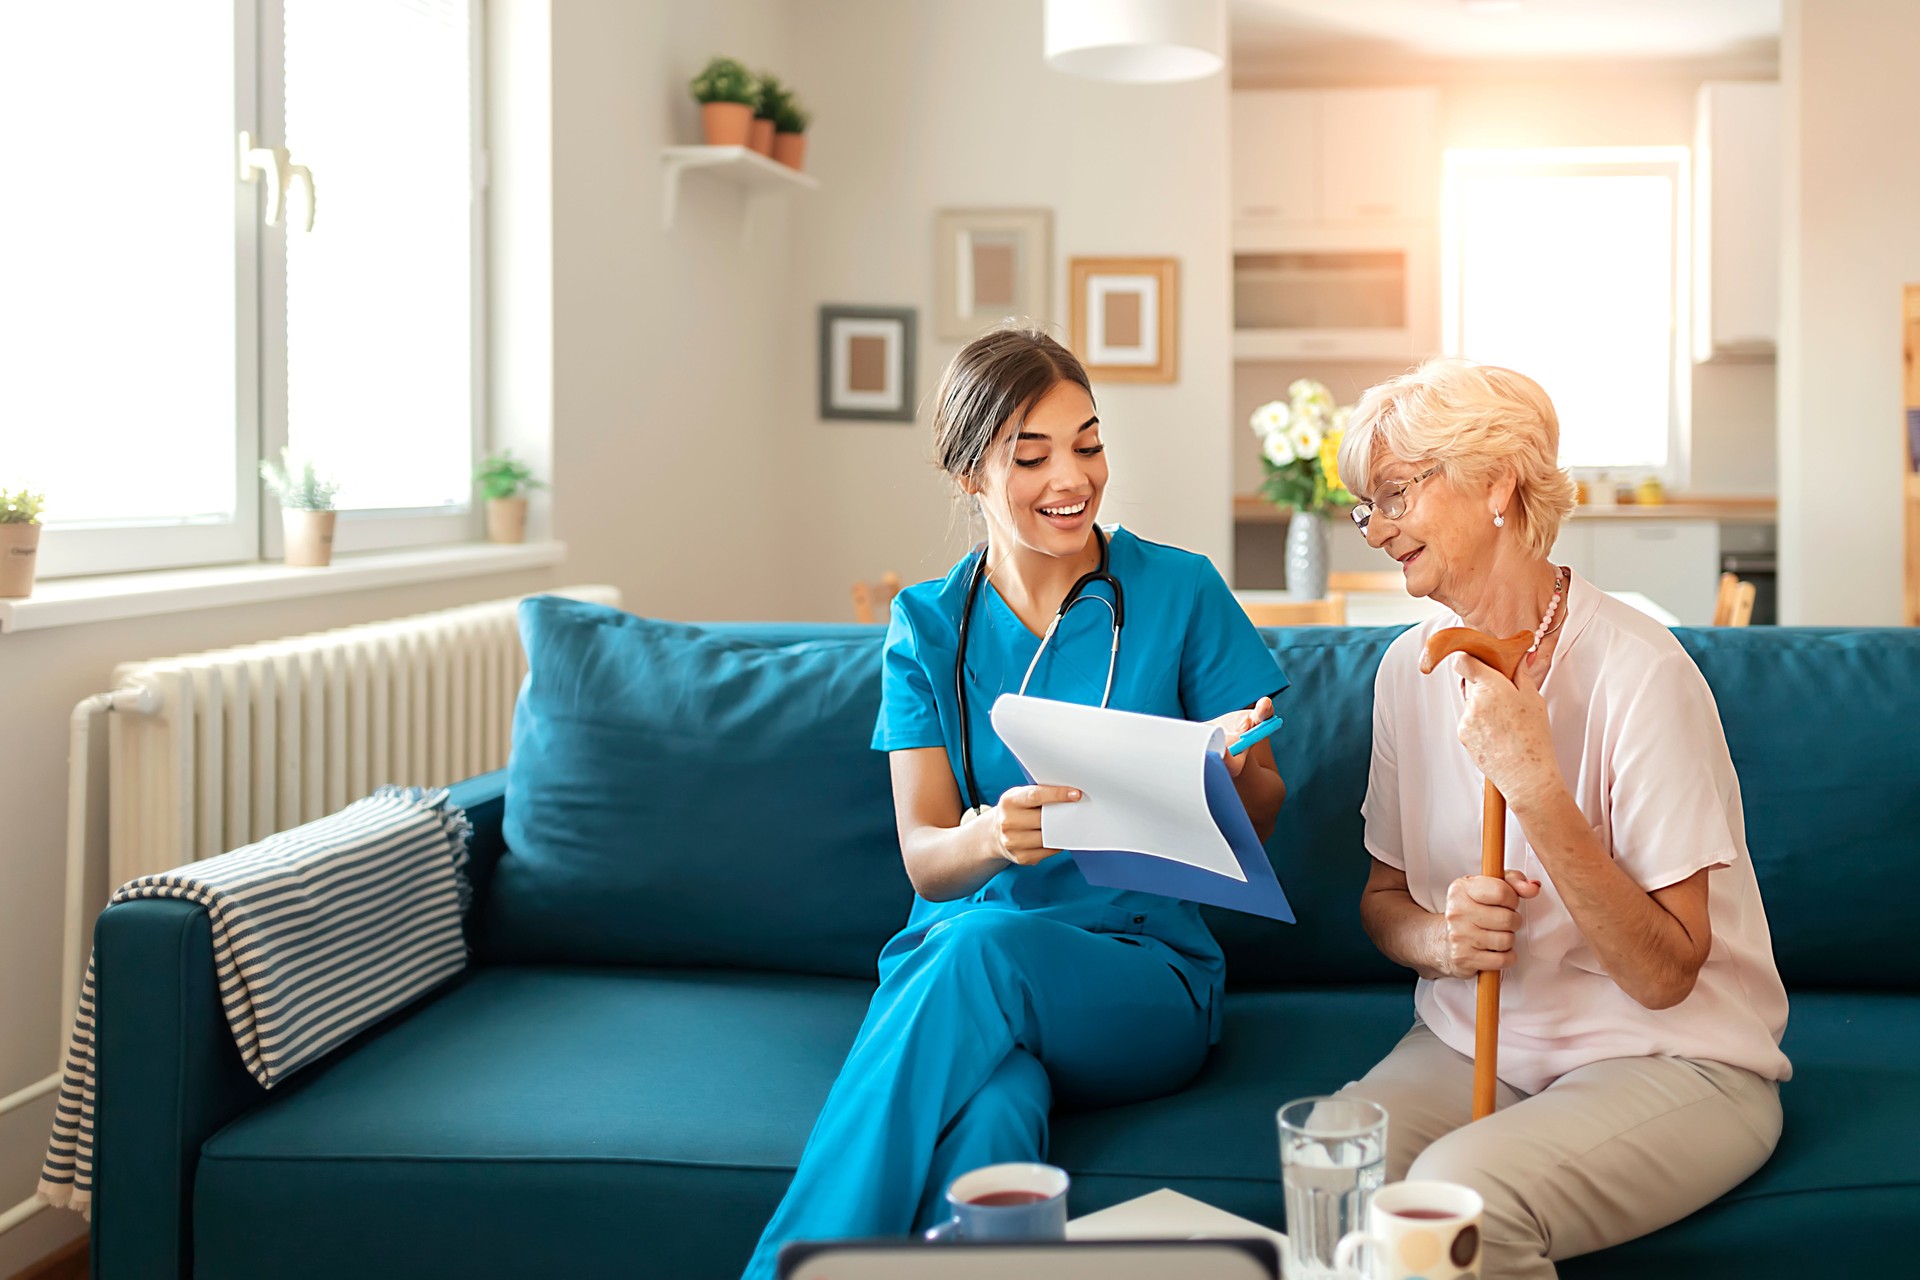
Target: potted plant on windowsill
{"x": 790, "y": 122}
{"x": 770, "y": 96}
{"x": 727, "y": 96}
{"x": 306, "y": 510}
{"x": 19, "y": 542}
{"x": 505, "y": 480}
{"x": 1299, "y": 446}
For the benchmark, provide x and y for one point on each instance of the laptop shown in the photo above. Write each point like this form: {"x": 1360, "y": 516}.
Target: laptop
{"x": 897, "y": 1259}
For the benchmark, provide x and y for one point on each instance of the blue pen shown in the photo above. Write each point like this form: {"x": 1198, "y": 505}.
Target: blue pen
{"x": 1265, "y": 729}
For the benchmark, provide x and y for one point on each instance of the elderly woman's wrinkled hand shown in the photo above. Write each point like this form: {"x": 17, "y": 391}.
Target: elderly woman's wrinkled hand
{"x": 1483, "y": 915}
{"x": 1505, "y": 730}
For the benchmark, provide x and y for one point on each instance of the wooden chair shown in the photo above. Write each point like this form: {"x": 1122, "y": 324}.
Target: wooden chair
{"x": 1330, "y": 612}
{"x": 1371, "y": 580}
{"x": 872, "y": 600}
{"x": 1733, "y": 607}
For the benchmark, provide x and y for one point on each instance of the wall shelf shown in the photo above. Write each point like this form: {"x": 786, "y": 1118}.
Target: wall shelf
{"x": 746, "y": 168}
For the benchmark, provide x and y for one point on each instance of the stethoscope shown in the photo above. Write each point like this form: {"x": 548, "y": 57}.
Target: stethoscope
{"x": 1075, "y": 594}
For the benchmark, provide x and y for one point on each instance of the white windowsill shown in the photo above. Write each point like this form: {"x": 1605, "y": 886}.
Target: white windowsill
{"x": 65, "y": 602}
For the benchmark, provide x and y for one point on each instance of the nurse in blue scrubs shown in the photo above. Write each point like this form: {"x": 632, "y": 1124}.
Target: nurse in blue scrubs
{"x": 1016, "y": 985}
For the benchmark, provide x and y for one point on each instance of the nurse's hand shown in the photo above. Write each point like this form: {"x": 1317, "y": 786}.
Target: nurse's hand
{"x": 1015, "y": 834}
{"x": 1483, "y": 914}
{"x": 1237, "y": 723}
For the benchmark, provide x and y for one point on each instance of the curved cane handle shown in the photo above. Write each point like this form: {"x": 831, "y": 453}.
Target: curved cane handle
{"x": 1502, "y": 655}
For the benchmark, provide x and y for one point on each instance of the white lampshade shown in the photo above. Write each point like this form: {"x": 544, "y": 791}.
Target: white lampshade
{"x": 1137, "y": 41}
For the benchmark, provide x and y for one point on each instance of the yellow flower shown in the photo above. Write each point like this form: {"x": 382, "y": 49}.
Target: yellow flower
{"x": 1330, "y": 459}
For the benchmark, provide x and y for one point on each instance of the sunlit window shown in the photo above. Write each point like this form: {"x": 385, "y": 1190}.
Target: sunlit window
{"x": 159, "y": 338}
{"x": 1567, "y": 265}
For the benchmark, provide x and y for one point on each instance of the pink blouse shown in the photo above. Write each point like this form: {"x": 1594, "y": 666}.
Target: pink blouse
{"x": 1639, "y": 743}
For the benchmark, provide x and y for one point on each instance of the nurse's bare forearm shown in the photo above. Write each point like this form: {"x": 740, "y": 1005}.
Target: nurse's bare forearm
{"x": 1405, "y": 932}
{"x": 945, "y": 863}
{"x": 1647, "y": 951}
{"x": 1262, "y": 792}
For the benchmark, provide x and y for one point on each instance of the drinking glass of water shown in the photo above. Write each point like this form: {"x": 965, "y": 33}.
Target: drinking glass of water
{"x": 1333, "y": 1157}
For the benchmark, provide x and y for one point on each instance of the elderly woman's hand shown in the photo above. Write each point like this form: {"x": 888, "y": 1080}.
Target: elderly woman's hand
{"x": 1504, "y": 729}
{"x": 1483, "y": 914}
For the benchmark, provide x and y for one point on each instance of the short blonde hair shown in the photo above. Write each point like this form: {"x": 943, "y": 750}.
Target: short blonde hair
{"x": 1471, "y": 420}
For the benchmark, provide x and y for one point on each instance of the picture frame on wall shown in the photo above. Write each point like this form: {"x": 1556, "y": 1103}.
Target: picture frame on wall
{"x": 1124, "y": 317}
{"x": 990, "y": 264}
{"x": 867, "y": 363}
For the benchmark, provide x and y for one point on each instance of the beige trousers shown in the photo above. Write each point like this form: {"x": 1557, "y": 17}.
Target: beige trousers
{"x": 1607, "y": 1152}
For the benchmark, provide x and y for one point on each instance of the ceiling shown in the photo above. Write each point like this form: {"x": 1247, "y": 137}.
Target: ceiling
{"x": 1264, "y": 31}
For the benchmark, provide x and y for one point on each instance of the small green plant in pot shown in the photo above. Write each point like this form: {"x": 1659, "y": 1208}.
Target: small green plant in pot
{"x": 790, "y": 138}
{"x": 728, "y": 97}
{"x": 306, "y": 509}
{"x": 504, "y": 481}
{"x": 19, "y": 541}
{"x": 771, "y": 98}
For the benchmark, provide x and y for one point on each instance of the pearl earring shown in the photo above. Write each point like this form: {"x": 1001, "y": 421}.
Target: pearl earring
{"x": 1499, "y": 521}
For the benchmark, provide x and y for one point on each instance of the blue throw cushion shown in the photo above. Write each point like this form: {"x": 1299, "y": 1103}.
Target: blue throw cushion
{"x": 1820, "y": 726}
{"x": 684, "y": 795}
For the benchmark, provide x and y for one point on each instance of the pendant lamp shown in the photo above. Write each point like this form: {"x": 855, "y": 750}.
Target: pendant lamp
{"x": 1137, "y": 41}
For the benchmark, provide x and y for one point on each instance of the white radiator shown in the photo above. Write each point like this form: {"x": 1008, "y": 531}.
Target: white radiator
{"x": 246, "y": 742}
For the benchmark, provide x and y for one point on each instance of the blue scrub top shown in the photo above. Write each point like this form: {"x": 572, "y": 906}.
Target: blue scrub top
{"x": 1187, "y": 651}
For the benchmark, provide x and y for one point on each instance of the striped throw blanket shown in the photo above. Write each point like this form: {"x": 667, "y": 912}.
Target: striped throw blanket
{"x": 318, "y": 932}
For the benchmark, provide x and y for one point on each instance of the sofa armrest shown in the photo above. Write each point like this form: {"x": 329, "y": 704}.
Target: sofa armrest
{"x": 484, "y": 798}
{"x": 167, "y": 1076}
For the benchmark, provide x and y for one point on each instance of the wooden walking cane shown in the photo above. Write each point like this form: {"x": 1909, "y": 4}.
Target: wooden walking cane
{"x": 1503, "y": 656}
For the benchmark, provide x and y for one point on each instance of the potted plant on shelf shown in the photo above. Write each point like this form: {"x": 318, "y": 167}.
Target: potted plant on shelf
{"x": 19, "y": 541}
{"x": 1299, "y": 444}
{"x": 306, "y": 510}
{"x": 727, "y": 96}
{"x": 768, "y": 101}
{"x": 790, "y": 137}
{"x": 504, "y": 480}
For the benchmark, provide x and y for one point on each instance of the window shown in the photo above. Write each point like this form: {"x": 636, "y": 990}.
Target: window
{"x": 1569, "y": 265}
{"x": 158, "y": 339}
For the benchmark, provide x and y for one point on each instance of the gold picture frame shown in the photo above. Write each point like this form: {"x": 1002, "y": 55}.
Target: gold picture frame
{"x": 1125, "y": 317}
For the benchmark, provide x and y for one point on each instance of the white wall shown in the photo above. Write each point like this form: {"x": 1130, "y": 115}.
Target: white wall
{"x": 1853, "y": 182}
{"x": 667, "y": 346}
{"x": 924, "y": 106}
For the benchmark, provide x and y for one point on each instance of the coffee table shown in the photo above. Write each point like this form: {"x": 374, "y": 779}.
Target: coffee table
{"x": 1166, "y": 1214}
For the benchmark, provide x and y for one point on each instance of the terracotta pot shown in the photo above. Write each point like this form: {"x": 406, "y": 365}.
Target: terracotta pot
{"x": 309, "y": 537}
{"x": 19, "y": 554}
{"x": 760, "y": 138}
{"x": 790, "y": 149}
{"x": 506, "y": 519}
{"x": 727, "y": 123}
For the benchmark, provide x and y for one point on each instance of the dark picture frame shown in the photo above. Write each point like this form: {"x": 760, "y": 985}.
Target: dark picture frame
{"x": 867, "y": 363}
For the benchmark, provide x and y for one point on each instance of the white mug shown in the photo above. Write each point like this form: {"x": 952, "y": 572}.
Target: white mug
{"x": 1417, "y": 1231}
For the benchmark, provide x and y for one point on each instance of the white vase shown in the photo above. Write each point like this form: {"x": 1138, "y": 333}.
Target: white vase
{"x": 1307, "y": 556}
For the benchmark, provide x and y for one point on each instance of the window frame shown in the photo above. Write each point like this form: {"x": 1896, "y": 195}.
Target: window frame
{"x": 260, "y": 390}
{"x": 1671, "y": 162}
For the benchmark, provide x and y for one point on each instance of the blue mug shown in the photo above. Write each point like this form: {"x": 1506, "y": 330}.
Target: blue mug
{"x": 1007, "y": 1202}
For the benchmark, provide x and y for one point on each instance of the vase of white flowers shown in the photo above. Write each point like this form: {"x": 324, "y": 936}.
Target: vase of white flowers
{"x": 1299, "y": 447}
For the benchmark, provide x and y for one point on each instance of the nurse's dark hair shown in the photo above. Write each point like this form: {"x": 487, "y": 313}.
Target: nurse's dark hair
{"x": 997, "y": 376}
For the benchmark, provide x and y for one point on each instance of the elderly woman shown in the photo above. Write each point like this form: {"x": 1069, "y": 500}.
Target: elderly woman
{"x": 1640, "y": 1027}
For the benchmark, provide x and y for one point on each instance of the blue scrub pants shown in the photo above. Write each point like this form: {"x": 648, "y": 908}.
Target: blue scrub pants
{"x": 967, "y": 1043}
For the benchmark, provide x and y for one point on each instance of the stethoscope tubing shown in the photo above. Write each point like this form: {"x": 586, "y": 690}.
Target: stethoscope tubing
{"x": 1075, "y": 594}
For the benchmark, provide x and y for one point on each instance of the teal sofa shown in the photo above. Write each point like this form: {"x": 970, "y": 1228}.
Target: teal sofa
{"x": 681, "y": 883}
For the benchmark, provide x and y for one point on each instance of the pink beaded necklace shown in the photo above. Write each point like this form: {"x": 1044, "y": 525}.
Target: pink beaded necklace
{"x": 1560, "y": 584}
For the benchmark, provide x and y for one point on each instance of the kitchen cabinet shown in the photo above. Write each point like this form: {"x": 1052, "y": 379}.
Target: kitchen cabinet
{"x": 1675, "y": 563}
{"x": 1736, "y": 209}
{"x": 1342, "y": 156}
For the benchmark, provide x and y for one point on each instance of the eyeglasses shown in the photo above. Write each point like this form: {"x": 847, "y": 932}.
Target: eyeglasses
{"x": 1392, "y": 504}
